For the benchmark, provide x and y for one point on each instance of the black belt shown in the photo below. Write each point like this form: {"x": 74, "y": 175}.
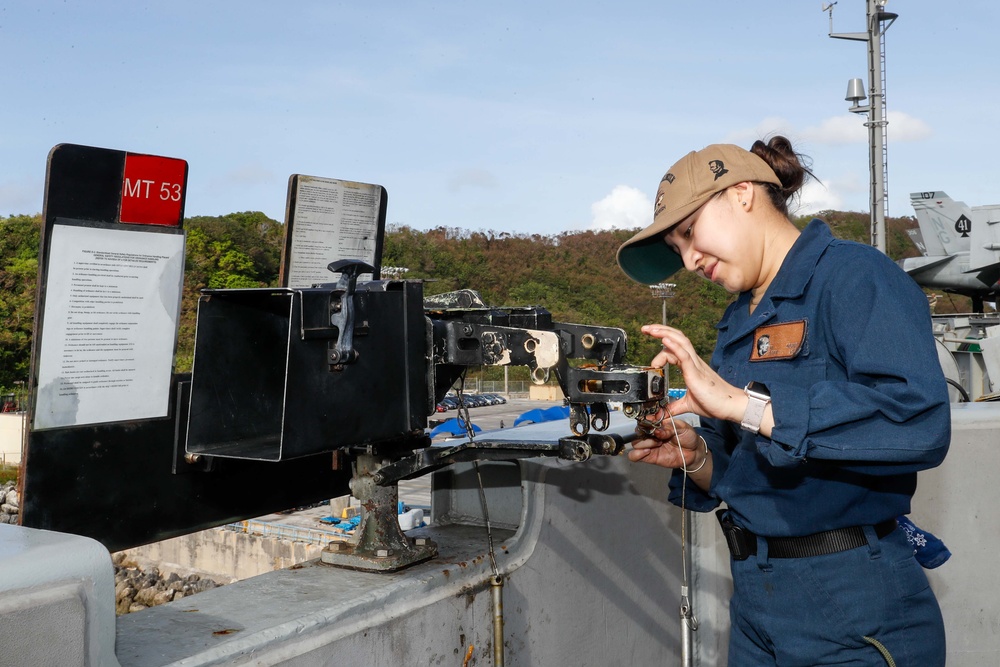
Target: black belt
{"x": 743, "y": 544}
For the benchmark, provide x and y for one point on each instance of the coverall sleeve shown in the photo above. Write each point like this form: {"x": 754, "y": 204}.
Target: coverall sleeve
{"x": 716, "y": 432}
{"x": 883, "y": 407}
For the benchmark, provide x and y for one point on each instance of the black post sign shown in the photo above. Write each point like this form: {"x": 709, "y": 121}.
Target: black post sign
{"x": 105, "y": 452}
{"x": 112, "y": 268}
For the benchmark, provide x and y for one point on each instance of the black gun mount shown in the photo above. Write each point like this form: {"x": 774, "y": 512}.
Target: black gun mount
{"x": 359, "y": 367}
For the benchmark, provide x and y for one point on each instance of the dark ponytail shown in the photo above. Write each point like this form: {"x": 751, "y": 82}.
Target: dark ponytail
{"x": 790, "y": 167}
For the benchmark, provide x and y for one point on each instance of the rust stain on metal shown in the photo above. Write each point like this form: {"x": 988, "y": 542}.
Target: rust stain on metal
{"x": 227, "y": 631}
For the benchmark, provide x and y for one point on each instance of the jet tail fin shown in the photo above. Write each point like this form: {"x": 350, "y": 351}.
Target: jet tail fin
{"x": 945, "y": 224}
{"x": 918, "y": 240}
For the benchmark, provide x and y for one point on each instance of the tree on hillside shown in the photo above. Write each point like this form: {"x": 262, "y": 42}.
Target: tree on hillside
{"x": 574, "y": 275}
{"x": 225, "y": 252}
{"x": 19, "y": 237}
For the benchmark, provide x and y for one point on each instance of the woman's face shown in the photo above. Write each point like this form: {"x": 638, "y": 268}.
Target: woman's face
{"x": 719, "y": 243}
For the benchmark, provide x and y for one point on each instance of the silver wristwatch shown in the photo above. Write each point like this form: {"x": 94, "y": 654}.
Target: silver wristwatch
{"x": 758, "y": 397}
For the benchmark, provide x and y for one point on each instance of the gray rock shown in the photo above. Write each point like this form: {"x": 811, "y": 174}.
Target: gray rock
{"x": 203, "y": 585}
{"x": 122, "y": 590}
{"x": 146, "y": 597}
{"x": 163, "y": 597}
{"x": 136, "y": 590}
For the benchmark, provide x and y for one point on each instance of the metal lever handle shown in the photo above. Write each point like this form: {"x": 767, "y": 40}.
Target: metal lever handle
{"x": 342, "y": 308}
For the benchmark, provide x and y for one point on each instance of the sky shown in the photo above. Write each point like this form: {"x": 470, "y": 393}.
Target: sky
{"x": 535, "y": 117}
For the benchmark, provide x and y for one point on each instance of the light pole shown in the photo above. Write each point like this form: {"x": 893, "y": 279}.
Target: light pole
{"x": 663, "y": 291}
{"x": 875, "y": 109}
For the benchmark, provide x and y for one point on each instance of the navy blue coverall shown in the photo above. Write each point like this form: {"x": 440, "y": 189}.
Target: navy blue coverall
{"x": 842, "y": 339}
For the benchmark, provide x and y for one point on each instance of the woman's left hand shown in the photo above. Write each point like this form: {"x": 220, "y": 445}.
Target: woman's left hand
{"x": 707, "y": 394}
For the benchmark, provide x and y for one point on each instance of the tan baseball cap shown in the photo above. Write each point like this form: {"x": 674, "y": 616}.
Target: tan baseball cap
{"x": 646, "y": 258}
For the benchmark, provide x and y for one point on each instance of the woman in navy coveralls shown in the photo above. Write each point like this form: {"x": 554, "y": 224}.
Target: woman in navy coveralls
{"x": 823, "y": 399}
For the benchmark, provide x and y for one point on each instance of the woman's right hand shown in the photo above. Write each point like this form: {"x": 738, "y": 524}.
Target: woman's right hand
{"x": 663, "y": 446}
{"x": 708, "y": 395}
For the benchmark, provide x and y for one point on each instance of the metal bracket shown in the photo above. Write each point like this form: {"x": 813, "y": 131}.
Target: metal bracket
{"x": 570, "y": 449}
{"x": 590, "y": 389}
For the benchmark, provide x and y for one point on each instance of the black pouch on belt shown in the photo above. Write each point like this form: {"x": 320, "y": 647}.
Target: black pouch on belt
{"x": 742, "y": 543}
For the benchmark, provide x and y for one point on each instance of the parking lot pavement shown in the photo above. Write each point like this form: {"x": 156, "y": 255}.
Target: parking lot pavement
{"x": 417, "y": 492}
{"x": 493, "y": 417}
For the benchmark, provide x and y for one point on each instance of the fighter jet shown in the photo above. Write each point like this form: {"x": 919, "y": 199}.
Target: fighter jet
{"x": 961, "y": 247}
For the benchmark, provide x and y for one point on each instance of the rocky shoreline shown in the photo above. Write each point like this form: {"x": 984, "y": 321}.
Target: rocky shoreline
{"x": 10, "y": 506}
{"x": 136, "y": 590}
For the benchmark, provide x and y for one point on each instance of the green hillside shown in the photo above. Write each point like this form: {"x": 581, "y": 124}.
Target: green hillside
{"x": 573, "y": 275}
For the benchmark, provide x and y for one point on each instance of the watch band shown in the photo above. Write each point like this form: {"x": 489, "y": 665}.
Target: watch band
{"x": 757, "y": 399}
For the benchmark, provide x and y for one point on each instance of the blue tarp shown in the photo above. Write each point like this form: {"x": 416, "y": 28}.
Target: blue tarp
{"x": 453, "y": 426}
{"x": 538, "y": 415}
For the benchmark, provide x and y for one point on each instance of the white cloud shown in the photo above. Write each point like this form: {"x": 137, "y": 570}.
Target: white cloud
{"x": 840, "y": 130}
{"x": 850, "y": 129}
{"x": 837, "y": 131}
{"x": 833, "y": 194}
{"x": 904, "y": 127}
{"x": 471, "y": 177}
{"x": 625, "y": 208}
{"x": 814, "y": 198}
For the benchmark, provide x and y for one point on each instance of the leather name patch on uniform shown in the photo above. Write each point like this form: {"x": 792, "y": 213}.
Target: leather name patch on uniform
{"x": 778, "y": 341}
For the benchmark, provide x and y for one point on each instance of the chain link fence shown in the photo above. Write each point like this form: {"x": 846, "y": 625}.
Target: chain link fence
{"x": 513, "y": 388}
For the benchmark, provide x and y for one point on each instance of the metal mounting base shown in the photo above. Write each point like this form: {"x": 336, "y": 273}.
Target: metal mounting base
{"x": 353, "y": 557}
{"x": 382, "y": 546}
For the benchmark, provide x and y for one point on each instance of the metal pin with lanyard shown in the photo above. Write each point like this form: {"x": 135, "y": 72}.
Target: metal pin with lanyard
{"x": 689, "y": 622}
{"x": 496, "y": 581}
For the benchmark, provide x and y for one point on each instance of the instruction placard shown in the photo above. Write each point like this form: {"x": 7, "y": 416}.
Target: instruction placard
{"x": 329, "y": 220}
{"x": 110, "y": 325}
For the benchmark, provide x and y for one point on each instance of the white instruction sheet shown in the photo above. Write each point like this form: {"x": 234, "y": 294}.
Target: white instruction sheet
{"x": 112, "y": 299}
{"x": 331, "y": 220}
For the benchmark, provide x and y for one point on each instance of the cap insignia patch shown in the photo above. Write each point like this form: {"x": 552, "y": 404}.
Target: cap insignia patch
{"x": 718, "y": 168}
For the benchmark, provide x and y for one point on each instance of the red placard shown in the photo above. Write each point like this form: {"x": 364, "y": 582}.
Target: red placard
{"x": 153, "y": 190}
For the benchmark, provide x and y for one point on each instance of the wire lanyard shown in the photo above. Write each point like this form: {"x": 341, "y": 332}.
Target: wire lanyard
{"x": 689, "y": 622}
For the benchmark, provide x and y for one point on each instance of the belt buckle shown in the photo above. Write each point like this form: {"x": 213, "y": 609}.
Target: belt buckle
{"x": 742, "y": 543}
